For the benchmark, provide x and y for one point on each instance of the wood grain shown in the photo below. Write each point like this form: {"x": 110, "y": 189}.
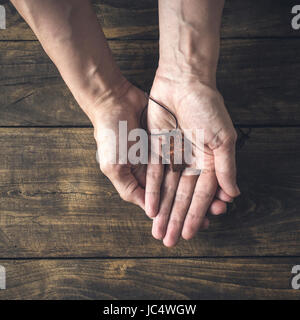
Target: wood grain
{"x": 257, "y": 78}
{"x": 135, "y": 19}
{"x": 33, "y": 93}
{"x": 62, "y": 222}
{"x": 150, "y": 279}
{"x": 55, "y": 203}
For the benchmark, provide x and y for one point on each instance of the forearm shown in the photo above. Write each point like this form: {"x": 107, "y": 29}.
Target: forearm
{"x": 189, "y": 38}
{"x": 71, "y": 36}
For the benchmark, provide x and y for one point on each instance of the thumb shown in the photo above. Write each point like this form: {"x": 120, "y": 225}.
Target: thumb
{"x": 126, "y": 184}
{"x": 128, "y": 187}
{"x": 225, "y": 166}
{"x": 121, "y": 177}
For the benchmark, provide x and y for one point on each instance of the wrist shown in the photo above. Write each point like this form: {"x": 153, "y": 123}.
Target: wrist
{"x": 97, "y": 94}
{"x": 190, "y": 57}
{"x": 172, "y": 92}
{"x": 185, "y": 75}
{"x": 190, "y": 63}
{"x": 125, "y": 96}
{"x": 189, "y": 38}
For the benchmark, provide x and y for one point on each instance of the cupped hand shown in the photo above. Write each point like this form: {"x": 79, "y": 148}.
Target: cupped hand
{"x": 179, "y": 202}
{"x": 128, "y": 179}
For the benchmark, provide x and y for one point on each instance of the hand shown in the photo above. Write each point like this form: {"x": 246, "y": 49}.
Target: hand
{"x": 80, "y": 52}
{"x": 128, "y": 179}
{"x": 184, "y": 200}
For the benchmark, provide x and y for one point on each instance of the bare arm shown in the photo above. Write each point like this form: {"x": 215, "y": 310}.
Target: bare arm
{"x": 70, "y": 34}
{"x": 72, "y": 37}
{"x": 189, "y": 38}
{"x": 186, "y": 82}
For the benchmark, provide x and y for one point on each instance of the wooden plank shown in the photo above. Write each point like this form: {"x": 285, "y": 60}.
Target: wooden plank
{"x": 55, "y": 203}
{"x": 256, "y": 77}
{"x": 134, "y": 19}
{"x": 33, "y": 93}
{"x": 150, "y": 279}
{"x": 131, "y": 19}
{"x": 257, "y": 19}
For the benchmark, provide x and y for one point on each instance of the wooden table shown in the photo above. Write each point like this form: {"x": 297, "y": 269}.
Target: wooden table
{"x": 65, "y": 233}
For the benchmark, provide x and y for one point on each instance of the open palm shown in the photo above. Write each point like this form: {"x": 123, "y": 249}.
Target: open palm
{"x": 179, "y": 201}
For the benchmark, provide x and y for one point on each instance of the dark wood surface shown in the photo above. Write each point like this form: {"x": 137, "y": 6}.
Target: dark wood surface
{"x": 150, "y": 278}
{"x": 136, "y": 19}
{"x": 55, "y": 203}
{"x": 65, "y": 233}
{"x": 259, "y": 89}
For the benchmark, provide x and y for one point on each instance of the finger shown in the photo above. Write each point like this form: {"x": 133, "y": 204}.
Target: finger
{"x": 126, "y": 184}
{"x": 204, "y": 193}
{"x": 204, "y": 225}
{"x": 223, "y": 196}
{"x": 217, "y": 207}
{"x": 168, "y": 191}
{"x": 226, "y": 167}
{"x": 154, "y": 178}
{"x": 180, "y": 207}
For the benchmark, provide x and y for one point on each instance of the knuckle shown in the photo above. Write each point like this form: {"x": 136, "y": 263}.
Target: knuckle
{"x": 154, "y": 174}
{"x": 193, "y": 216}
{"x": 163, "y": 214}
{"x": 174, "y": 225}
{"x": 152, "y": 192}
{"x": 182, "y": 197}
{"x": 168, "y": 190}
{"x": 203, "y": 195}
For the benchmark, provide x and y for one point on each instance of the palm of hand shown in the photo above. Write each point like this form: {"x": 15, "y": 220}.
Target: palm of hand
{"x": 185, "y": 200}
{"x": 199, "y": 106}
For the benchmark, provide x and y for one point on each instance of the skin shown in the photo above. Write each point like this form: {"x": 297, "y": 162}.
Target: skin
{"x": 72, "y": 37}
{"x": 186, "y": 83}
